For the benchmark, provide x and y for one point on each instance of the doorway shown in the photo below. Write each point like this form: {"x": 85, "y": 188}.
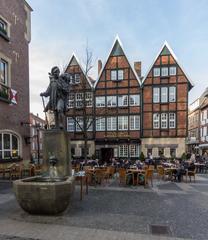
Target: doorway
{"x": 106, "y": 154}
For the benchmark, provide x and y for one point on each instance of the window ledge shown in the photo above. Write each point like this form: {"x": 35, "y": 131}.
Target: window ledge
{"x": 2, "y": 34}
{"x": 4, "y": 99}
{"x": 10, "y": 160}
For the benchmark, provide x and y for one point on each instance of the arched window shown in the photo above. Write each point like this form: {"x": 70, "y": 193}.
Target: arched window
{"x": 9, "y": 146}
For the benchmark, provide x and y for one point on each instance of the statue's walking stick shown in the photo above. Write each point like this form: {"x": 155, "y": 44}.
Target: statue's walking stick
{"x": 45, "y": 113}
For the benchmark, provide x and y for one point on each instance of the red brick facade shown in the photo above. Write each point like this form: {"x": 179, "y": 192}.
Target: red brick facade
{"x": 14, "y": 41}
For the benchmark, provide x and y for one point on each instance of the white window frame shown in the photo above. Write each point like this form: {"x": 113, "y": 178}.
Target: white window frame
{"x": 134, "y": 121}
{"x": 10, "y": 149}
{"x": 4, "y": 72}
{"x": 77, "y": 78}
{"x": 134, "y": 150}
{"x": 123, "y": 100}
{"x": 4, "y": 26}
{"x": 100, "y": 101}
{"x": 120, "y": 73}
{"x": 164, "y": 120}
{"x": 156, "y": 72}
{"x": 88, "y": 99}
{"x": 111, "y": 101}
{"x": 123, "y": 150}
{"x": 79, "y": 100}
{"x": 172, "y": 71}
{"x": 100, "y": 124}
{"x": 113, "y": 75}
{"x": 172, "y": 94}
{"x": 172, "y": 120}
{"x": 80, "y": 121}
{"x": 156, "y": 121}
{"x": 71, "y": 100}
{"x": 122, "y": 123}
{"x": 111, "y": 123}
{"x": 134, "y": 100}
{"x": 70, "y": 124}
{"x": 164, "y": 71}
{"x": 156, "y": 95}
{"x": 90, "y": 124}
{"x": 164, "y": 94}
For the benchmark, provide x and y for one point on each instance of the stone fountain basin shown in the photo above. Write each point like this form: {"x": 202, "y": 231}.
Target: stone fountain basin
{"x": 41, "y": 195}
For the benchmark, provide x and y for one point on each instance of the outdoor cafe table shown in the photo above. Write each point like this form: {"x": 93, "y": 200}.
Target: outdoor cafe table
{"x": 82, "y": 177}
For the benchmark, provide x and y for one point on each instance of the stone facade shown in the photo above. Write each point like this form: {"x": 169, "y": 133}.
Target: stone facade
{"x": 14, "y": 79}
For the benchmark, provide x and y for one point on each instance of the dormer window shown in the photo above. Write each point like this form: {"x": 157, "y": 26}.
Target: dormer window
{"x": 117, "y": 75}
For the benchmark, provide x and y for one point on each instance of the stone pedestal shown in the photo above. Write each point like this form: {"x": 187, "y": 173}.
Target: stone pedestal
{"x": 56, "y": 143}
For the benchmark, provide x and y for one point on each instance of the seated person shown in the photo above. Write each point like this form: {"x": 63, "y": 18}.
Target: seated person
{"x": 138, "y": 164}
{"x": 191, "y": 166}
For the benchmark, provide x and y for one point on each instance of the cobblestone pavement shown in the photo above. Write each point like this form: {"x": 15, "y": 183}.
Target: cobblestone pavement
{"x": 113, "y": 212}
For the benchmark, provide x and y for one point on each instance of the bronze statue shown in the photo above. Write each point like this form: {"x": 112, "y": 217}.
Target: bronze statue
{"x": 58, "y": 92}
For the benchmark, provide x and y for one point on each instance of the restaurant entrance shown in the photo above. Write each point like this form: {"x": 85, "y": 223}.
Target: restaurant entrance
{"x": 106, "y": 154}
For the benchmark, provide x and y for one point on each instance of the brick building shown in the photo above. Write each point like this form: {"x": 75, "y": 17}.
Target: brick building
{"x": 80, "y": 120}
{"x": 37, "y": 125}
{"x": 14, "y": 80}
{"x": 129, "y": 113}
{"x": 165, "y": 106}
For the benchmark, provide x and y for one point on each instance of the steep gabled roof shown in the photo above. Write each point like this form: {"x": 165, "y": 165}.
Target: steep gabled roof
{"x": 75, "y": 61}
{"x": 116, "y": 50}
{"x": 165, "y": 50}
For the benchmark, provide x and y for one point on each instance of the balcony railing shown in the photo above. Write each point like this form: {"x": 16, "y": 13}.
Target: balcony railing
{"x": 4, "y": 93}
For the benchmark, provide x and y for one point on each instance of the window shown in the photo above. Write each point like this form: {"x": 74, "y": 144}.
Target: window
{"x": 3, "y": 27}
{"x": 122, "y": 100}
{"x": 156, "y": 72}
{"x": 71, "y": 101}
{"x": 3, "y": 72}
{"x": 123, "y": 151}
{"x": 134, "y": 122}
{"x": 134, "y": 100}
{"x": 117, "y": 75}
{"x": 172, "y": 94}
{"x": 123, "y": 123}
{"x": 149, "y": 151}
{"x": 164, "y": 94}
{"x": 88, "y": 98}
{"x": 77, "y": 78}
{"x": 173, "y": 152}
{"x": 100, "y": 101}
{"x": 79, "y": 124}
{"x": 120, "y": 74}
{"x": 156, "y": 120}
{"x": 111, "y": 123}
{"x": 70, "y": 124}
{"x": 134, "y": 150}
{"x": 164, "y": 71}
{"x": 171, "y": 120}
{"x": 156, "y": 95}
{"x": 89, "y": 124}
{"x": 79, "y": 100}
{"x": 100, "y": 124}
{"x": 9, "y": 146}
{"x": 164, "y": 120}
{"x": 172, "y": 71}
{"x": 113, "y": 75}
{"x": 161, "y": 152}
{"x": 111, "y": 101}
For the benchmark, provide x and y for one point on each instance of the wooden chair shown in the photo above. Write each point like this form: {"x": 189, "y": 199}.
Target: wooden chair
{"x": 122, "y": 175}
{"x": 100, "y": 176}
{"x": 160, "y": 172}
{"x": 191, "y": 174}
{"x": 148, "y": 176}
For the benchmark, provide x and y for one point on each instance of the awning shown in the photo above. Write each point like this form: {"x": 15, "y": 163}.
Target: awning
{"x": 205, "y": 145}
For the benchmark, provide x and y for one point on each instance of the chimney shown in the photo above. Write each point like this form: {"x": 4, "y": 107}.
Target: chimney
{"x": 137, "y": 67}
{"x": 99, "y": 66}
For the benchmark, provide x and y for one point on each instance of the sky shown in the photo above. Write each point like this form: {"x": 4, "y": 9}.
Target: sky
{"x": 62, "y": 27}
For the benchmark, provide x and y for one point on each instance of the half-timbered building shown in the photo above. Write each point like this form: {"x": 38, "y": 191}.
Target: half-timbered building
{"x": 80, "y": 109}
{"x": 117, "y": 106}
{"x": 165, "y": 106}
